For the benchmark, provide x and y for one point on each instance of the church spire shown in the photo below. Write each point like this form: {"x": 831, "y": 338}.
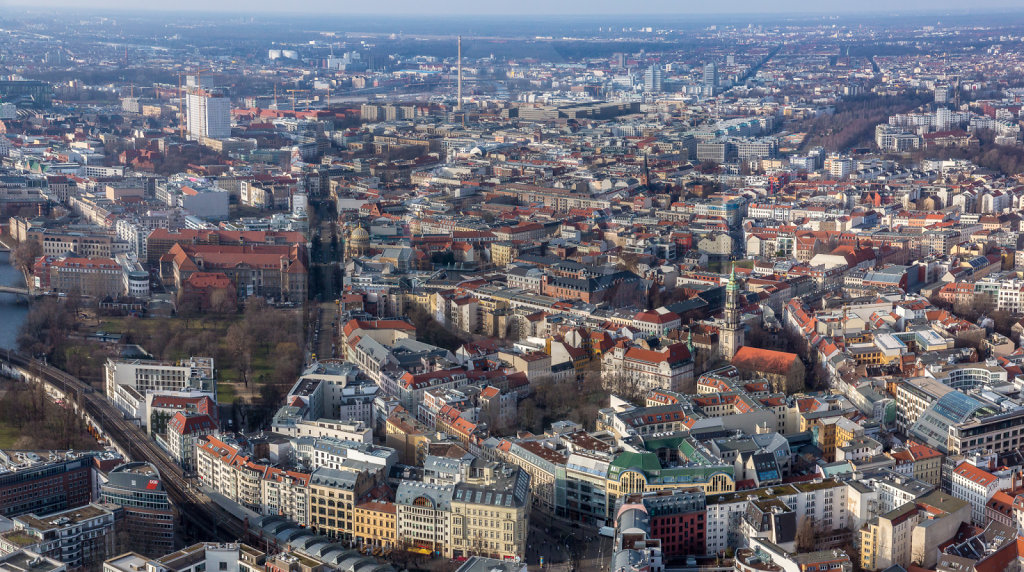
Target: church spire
{"x": 731, "y": 334}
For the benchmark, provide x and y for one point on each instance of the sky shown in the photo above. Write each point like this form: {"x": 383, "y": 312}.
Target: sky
{"x": 536, "y": 7}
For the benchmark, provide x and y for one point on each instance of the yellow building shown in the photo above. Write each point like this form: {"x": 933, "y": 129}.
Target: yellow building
{"x": 490, "y": 517}
{"x": 502, "y": 253}
{"x": 832, "y": 432}
{"x": 407, "y": 436}
{"x": 423, "y": 300}
{"x": 375, "y": 525}
{"x": 332, "y": 497}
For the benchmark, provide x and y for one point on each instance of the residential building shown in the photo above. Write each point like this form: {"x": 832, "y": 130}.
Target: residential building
{"x": 976, "y": 486}
{"x": 909, "y": 533}
{"x": 375, "y": 525}
{"x": 184, "y": 432}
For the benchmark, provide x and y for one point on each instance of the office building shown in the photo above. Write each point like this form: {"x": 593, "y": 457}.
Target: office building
{"x": 675, "y": 517}
{"x": 30, "y": 561}
{"x": 652, "y": 79}
{"x": 485, "y": 513}
{"x": 148, "y": 513}
{"x": 43, "y": 483}
{"x": 208, "y": 115}
{"x": 92, "y": 277}
{"x": 710, "y": 79}
{"x": 80, "y": 537}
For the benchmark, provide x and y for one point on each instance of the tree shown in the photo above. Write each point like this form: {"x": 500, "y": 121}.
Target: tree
{"x": 288, "y": 362}
{"x": 707, "y": 167}
{"x": 23, "y": 257}
{"x": 45, "y": 328}
{"x": 240, "y": 350}
{"x": 626, "y": 386}
{"x": 223, "y": 302}
{"x": 805, "y": 534}
{"x": 188, "y": 307}
{"x": 429, "y": 330}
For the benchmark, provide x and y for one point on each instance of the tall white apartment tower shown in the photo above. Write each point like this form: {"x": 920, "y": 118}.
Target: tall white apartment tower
{"x": 208, "y": 115}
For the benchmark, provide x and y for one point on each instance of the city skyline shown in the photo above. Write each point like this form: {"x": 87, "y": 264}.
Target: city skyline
{"x": 294, "y": 288}
{"x": 578, "y": 8}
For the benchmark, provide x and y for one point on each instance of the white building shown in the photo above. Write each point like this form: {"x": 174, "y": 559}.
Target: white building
{"x": 333, "y": 453}
{"x": 259, "y": 487}
{"x": 127, "y": 382}
{"x": 154, "y": 375}
{"x": 356, "y": 431}
{"x": 208, "y": 115}
{"x": 77, "y": 537}
{"x": 670, "y": 368}
{"x": 824, "y": 501}
{"x": 976, "y": 486}
{"x": 204, "y": 556}
{"x": 184, "y": 432}
{"x": 423, "y": 513}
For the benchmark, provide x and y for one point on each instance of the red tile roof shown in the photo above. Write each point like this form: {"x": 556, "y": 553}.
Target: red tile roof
{"x": 972, "y": 473}
{"x": 765, "y": 361}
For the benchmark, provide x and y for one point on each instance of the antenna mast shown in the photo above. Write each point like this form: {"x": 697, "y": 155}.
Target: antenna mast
{"x": 458, "y": 102}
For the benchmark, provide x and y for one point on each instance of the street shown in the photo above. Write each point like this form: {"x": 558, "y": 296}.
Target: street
{"x": 555, "y": 541}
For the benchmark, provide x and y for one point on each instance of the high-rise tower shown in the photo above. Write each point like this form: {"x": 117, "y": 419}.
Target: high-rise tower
{"x": 710, "y": 79}
{"x": 458, "y": 102}
{"x": 730, "y": 335}
{"x": 208, "y": 115}
{"x": 652, "y": 79}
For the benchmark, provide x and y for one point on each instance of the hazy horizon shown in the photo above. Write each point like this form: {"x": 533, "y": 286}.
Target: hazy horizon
{"x": 580, "y": 8}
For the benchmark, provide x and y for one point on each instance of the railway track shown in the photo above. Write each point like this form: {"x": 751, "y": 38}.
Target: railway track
{"x": 197, "y": 509}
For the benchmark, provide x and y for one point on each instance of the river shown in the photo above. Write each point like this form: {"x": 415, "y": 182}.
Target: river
{"x": 12, "y": 311}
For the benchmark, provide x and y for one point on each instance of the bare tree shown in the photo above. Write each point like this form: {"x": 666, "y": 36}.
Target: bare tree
{"x": 805, "y": 534}
{"x": 23, "y": 257}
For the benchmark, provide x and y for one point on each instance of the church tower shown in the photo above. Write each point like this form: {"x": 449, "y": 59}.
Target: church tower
{"x": 730, "y": 335}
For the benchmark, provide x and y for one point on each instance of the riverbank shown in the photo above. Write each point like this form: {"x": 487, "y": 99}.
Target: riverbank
{"x": 8, "y": 244}
{"x": 13, "y": 308}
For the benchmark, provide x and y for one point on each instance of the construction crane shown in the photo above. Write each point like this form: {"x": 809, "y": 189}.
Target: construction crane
{"x": 293, "y": 92}
{"x": 199, "y": 76}
{"x": 328, "y": 107}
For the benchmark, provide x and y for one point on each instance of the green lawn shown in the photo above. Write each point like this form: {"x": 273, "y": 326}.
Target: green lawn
{"x": 225, "y": 393}
{"x": 8, "y": 436}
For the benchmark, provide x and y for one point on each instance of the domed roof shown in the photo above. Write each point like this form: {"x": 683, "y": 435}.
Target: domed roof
{"x": 359, "y": 233}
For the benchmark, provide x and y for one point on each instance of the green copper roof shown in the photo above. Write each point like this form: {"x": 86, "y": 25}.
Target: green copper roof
{"x": 645, "y": 462}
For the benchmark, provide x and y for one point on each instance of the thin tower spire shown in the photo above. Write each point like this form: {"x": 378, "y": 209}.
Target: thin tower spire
{"x": 458, "y": 102}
